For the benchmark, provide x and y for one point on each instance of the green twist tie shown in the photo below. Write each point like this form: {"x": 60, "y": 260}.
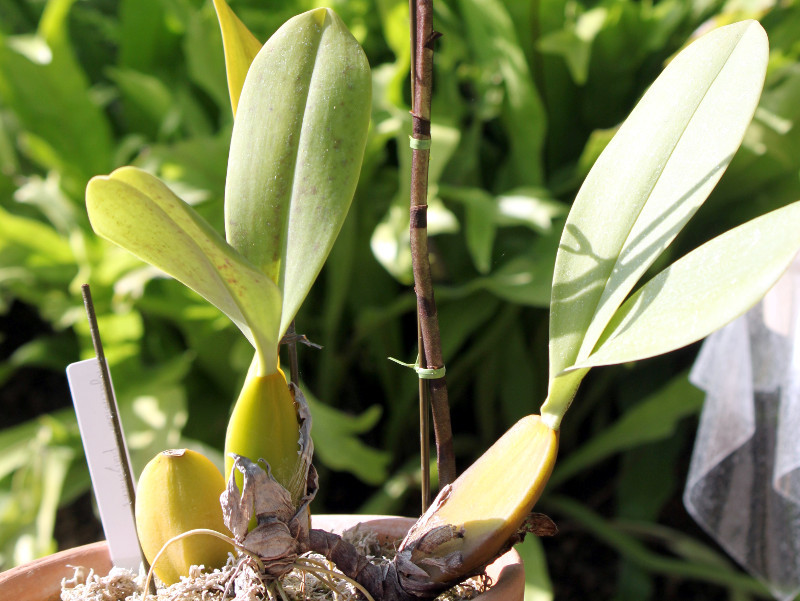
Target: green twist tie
{"x": 418, "y": 144}
{"x": 424, "y": 373}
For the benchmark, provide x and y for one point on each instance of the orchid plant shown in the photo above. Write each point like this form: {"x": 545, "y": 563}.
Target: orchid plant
{"x": 301, "y": 104}
{"x": 653, "y": 176}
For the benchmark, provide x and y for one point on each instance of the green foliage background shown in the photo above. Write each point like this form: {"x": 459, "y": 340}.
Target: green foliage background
{"x": 527, "y": 94}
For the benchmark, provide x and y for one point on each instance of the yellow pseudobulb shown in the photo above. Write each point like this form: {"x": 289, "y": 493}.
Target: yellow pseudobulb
{"x": 264, "y": 425}
{"x": 491, "y": 499}
{"x": 179, "y": 491}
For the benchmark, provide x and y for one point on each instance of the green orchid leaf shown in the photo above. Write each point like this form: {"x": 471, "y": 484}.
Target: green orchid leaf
{"x": 651, "y": 178}
{"x": 138, "y": 212}
{"x": 296, "y": 151}
{"x": 240, "y": 46}
{"x": 703, "y": 291}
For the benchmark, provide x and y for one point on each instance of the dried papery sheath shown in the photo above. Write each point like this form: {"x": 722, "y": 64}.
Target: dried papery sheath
{"x": 281, "y": 531}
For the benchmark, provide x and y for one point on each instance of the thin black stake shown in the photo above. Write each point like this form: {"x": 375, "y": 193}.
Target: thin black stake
{"x": 424, "y": 429}
{"x": 113, "y": 411}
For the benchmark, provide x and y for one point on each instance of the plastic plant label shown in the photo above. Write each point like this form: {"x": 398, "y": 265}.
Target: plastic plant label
{"x": 104, "y": 457}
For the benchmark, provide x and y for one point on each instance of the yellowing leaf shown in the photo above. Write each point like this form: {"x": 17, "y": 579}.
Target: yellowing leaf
{"x": 240, "y": 46}
{"x": 138, "y": 212}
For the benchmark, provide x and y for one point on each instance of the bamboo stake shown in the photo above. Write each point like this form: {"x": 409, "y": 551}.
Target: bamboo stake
{"x": 422, "y": 39}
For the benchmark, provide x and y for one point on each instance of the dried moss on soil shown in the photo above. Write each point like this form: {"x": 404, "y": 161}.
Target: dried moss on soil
{"x": 239, "y": 581}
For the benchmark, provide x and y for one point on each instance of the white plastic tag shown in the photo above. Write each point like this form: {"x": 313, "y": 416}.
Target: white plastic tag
{"x": 105, "y": 457}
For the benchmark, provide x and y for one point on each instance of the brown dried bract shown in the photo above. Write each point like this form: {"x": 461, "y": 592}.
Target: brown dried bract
{"x": 281, "y": 533}
{"x": 539, "y": 524}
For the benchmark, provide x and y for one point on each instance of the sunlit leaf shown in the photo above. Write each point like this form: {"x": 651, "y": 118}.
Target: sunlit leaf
{"x": 241, "y": 47}
{"x": 703, "y": 291}
{"x": 296, "y": 151}
{"x": 138, "y": 212}
{"x": 649, "y": 181}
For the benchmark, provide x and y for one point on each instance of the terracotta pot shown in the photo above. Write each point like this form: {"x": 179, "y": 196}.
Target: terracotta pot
{"x": 40, "y": 580}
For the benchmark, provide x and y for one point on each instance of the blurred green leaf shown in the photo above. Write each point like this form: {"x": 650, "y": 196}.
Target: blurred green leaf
{"x": 574, "y": 42}
{"x": 633, "y": 550}
{"x": 389, "y": 499}
{"x": 14, "y": 443}
{"x": 53, "y": 352}
{"x": 480, "y": 233}
{"x": 147, "y": 34}
{"x": 31, "y": 485}
{"x": 71, "y": 134}
{"x": 654, "y": 418}
{"x": 336, "y": 442}
{"x": 195, "y": 168}
{"x": 147, "y": 99}
{"x": 204, "y": 63}
{"x": 31, "y": 251}
{"x": 494, "y": 40}
{"x": 524, "y": 279}
{"x": 537, "y": 581}
{"x": 518, "y": 376}
{"x": 485, "y": 213}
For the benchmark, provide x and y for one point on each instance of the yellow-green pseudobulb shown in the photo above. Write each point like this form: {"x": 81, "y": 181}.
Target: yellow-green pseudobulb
{"x": 179, "y": 491}
{"x": 492, "y": 498}
{"x": 264, "y": 425}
